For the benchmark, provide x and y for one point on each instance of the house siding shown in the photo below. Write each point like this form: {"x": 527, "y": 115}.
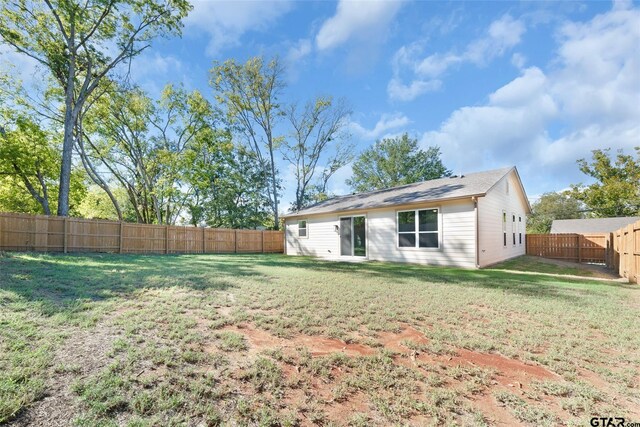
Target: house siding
{"x": 457, "y": 247}
{"x": 321, "y": 241}
{"x": 490, "y": 208}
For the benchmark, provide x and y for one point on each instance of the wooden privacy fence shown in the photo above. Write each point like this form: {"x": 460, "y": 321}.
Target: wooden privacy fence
{"x": 593, "y": 248}
{"x": 20, "y": 232}
{"x": 619, "y": 250}
{"x": 625, "y": 256}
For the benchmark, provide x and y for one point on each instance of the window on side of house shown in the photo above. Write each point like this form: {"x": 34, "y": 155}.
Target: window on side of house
{"x": 418, "y": 229}
{"x": 504, "y": 228}
{"x": 513, "y": 227}
{"x": 519, "y": 230}
{"x": 302, "y": 228}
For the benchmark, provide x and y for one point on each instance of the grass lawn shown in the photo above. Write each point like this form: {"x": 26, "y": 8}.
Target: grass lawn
{"x": 272, "y": 340}
{"x": 551, "y": 266}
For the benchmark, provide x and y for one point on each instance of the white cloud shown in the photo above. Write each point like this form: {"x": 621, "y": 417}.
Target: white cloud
{"x": 518, "y": 60}
{"x": 502, "y": 35}
{"x": 406, "y": 92}
{"x": 545, "y": 121}
{"x": 152, "y": 71}
{"x": 387, "y": 122}
{"x": 298, "y": 51}
{"x": 337, "y": 183}
{"x": 227, "y": 21}
{"x": 356, "y": 19}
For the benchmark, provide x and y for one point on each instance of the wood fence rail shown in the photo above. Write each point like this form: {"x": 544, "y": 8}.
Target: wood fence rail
{"x": 22, "y": 232}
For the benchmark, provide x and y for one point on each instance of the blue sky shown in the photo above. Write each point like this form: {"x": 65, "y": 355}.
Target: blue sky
{"x": 532, "y": 84}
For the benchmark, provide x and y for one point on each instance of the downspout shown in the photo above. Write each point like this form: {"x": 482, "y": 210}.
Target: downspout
{"x": 475, "y": 208}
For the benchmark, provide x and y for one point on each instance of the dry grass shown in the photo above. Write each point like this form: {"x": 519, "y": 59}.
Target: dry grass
{"x": 271, "y": 340}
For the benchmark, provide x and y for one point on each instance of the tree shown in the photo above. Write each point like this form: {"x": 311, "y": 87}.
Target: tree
{"x": 96, "y": 204}
{"x": 616, "y": 191}
{"x": 146, "y": 146}
{"x": 79, "y": 43}
{"x": 29, "y": 161}
{"x": 395, "y": 161}
{"x": 250, "y": 94}
{"x": 29, "y": 155}
{"x": 318, "y": 136}
{"x": 552, "y": 206}
{"x": 25, "y": 153}
{"x": 229, "y": 191}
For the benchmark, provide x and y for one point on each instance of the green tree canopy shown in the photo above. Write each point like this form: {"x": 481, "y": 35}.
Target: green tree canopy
{"x": 79, "y": 42}
{"x": 150, "y": 147}
{"x": 552, "y": 206}
{"x": 616, "y": 191}
{"x": 250, "y": 93}
{"x": 396, "y": 161}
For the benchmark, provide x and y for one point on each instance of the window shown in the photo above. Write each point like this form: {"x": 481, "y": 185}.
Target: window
{"x": 513, "y": 228}
{"x": 418, "y": 228}
{"x": 302, "y": 228}
{"x": 504, "y": 228}
{"x": 520, "y": 230}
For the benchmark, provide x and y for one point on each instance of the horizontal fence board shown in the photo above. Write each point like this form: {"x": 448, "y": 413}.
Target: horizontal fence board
{"x": 22, "y": 232}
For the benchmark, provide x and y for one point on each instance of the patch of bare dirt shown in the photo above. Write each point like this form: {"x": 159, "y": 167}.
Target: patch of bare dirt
{"x": 393, "y": 341}
{"x": 509, "y": 372}
{"x": 318, "y": 346}
{"x": 82, "y": 354}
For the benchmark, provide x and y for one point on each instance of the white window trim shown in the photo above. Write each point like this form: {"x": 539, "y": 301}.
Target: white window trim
{"x": 514, "y": 231}
{"x": 306, "y": 228}
{"x": 417, "y": 231}
{"x": 519, "y": 230}
{"x": 503, "y": 219}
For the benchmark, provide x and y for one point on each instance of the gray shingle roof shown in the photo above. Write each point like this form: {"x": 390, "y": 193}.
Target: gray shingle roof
{"x": 472, "y": 184}
{"x": 591, "y": 225}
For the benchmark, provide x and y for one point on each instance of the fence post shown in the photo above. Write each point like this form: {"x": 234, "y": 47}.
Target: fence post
{"x": 204, "y": 244}
{"x": 64, "y": 236}
{"x": 262, "y": 241}
{"x": 235, "y": 241}
{"x": 121, "y": 237}
{"x": 580, "y": 248}
{"x": 166, "y": 239}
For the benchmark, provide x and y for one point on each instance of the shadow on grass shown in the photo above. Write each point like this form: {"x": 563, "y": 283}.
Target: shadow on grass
{"x": 60, "y": 281}
{"x": 530, "y": 285}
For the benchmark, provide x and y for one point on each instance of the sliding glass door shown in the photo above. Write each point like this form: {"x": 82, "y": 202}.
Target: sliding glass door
{"x": 346, "y": 248}
{"x": 353, "y": 236}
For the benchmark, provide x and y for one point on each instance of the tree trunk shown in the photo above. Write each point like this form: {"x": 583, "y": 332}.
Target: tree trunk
{"x": 67, "y": 142}
{"x": 274, "y": 183}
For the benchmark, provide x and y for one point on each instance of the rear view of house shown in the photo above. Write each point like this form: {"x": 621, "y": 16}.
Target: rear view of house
{"x": 470, "y": 221}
